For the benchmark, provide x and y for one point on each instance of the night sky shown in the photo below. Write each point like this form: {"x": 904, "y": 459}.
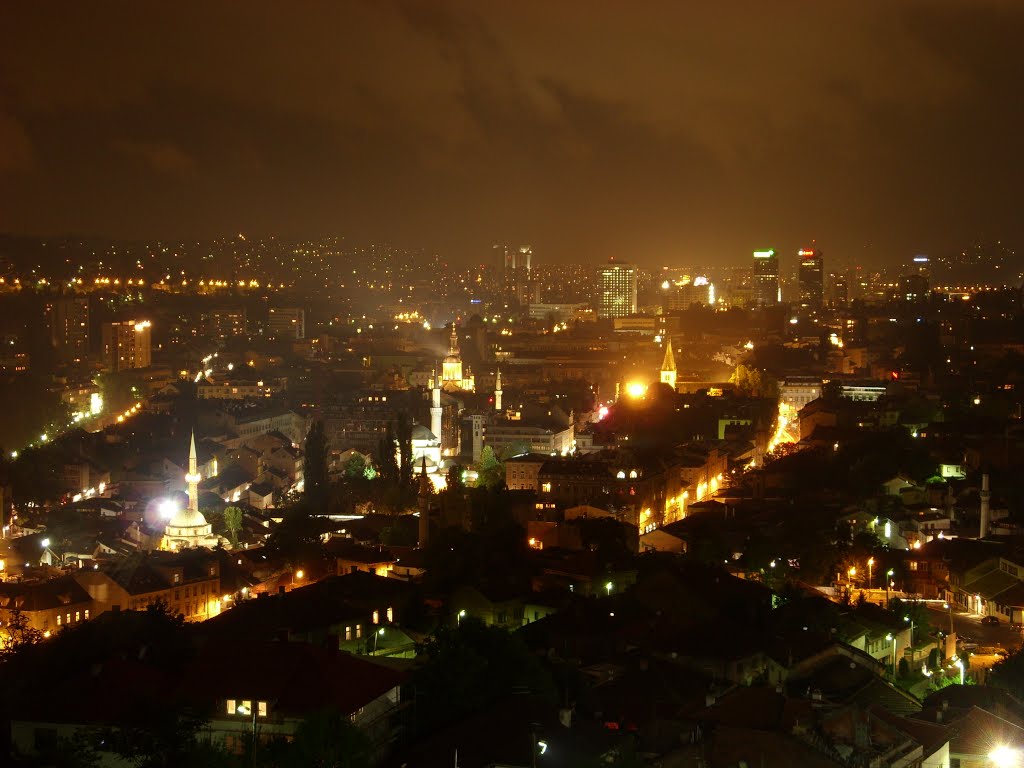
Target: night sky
{"x": 675, "y": 132}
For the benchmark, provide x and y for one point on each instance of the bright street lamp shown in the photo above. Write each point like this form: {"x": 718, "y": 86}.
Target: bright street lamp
{"x": 1005, "y": 757}
{"x": 378, "y": 633}
{"x": 461, "y": 616}
{"x": 244, "y": 710}
{"x": 871, "y": 563}
{"x": 608, "y": 587}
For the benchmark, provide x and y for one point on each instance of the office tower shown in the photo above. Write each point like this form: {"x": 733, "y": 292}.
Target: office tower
{"x": 226, "y": 322}
{"x": 838, "y": 291}
{"x": 286, "y": 323}
{"x": 68, "y": 319}
{"x": 618, "y": 290}
{"x": 682, "y": 297}
{"x": 517, "y": 272}
{"x": 767, "y": 292}
{"x": 811, "y": 278}
{"x": 126, "y": 345}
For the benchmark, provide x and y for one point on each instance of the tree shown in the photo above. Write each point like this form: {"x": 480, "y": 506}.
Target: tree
{"x": 355, "y": 467}
{"x": 491, "y": 472}
{"x": 233, "y": 523}
{"x": 387, "y": 458}
{"x": 325, "y": 739}
{"x": 315, "y": 469}
{"x": 753, "y": 382}
{"x": 470, "y": 665}
{"x": 19, "y": 634}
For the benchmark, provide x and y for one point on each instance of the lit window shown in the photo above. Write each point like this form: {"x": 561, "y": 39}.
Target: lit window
{"x": 86, "y": 614}
{"x": 391, "y": 615}
{"x": 78, "y": 616}
{"x": 261, "y": 708}
{"x": 348, "y": 633}
{"x": 546, "y": 487}
{"x": 359, "y": 630}
{"x": 58, "y": 620}
{"x": 67, "y": 617}
{"x": 632, "y": 474}
{"x": 231, "y": 707}
{"x": 376, "y": 617}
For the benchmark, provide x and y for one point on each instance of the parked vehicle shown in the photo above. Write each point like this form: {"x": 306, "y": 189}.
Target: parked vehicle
{"x": 992, "y": 621}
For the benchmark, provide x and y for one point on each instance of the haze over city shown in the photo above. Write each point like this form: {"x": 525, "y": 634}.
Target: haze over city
{"x": 673, "y": 131}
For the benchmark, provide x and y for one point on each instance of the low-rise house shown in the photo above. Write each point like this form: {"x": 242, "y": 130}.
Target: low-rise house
{"x": 46, "y": 606}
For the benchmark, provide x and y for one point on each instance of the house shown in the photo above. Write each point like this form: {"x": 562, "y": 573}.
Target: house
{"x": 47, "y": 606}
{"x": 506, "y": 608}
{"x": 187, "y": 582}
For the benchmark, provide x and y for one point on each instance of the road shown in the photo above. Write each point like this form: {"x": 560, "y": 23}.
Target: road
{"x": 968, "y": 627}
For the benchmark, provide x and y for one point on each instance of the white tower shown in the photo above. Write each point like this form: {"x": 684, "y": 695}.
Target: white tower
{"x": 435, "y": 407}
{"x": 193, "y": 477}
{"x": 497, "y": 391}
{"x": 668, "y": 366}
{"x": 986, "y": 501}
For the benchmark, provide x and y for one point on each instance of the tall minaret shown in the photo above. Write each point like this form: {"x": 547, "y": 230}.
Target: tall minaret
{"x": 193, "y": 477}
{"x": 435, "y": 405}
{"x": 497, "y": 391}
{"x": 986, "y": 501}
{"x": 668, "y": 366}
{"x": 423, "y": 502}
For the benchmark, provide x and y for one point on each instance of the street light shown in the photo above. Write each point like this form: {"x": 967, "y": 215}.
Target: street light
{"x": 461, "y": 616}
{"x": 244, "y": 710}
{"x": 378, "y": 633}
{"x": 907, "y": 618}
{"x": 892, "y": 639}
{"x": 871, "y": 563}
{"x": 949, "y": 607}
{"x": 1005, "y": 757}
{"x": 888, "y": 583}
{"x": 608, "y": 587}
{"x": 957, "y": 662}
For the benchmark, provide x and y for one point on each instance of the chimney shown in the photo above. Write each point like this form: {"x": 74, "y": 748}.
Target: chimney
{"x": 938, "y": 715}
{"x": 986, "y": 498}
{"x": 945, "y": 704}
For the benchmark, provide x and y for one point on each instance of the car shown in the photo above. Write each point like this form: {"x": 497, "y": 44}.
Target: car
{"x": 992, "y": 621}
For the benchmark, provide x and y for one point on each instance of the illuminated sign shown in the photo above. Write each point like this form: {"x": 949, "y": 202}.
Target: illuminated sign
{"x": 764, "y": 254}
{"x": 806, "y": 252}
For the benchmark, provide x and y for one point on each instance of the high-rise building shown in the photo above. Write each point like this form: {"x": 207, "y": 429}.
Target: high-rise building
{"x": 126, "y": 345}
{"x": 838, "y": 290}
{"x": 766, "y": 290}
{"x": 226, "y": 322}
{"x": 811, "y": 278}
{"x": 68, "y": 319}
{"x": 286, "y": 323}
{"x": 618, "y": 290}
{"x": 517, "y": 272}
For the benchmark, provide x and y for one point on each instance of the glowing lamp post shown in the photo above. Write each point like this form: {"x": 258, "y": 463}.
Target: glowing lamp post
{"x": 871, "y": 563}
{"x": 1006, "y": 757}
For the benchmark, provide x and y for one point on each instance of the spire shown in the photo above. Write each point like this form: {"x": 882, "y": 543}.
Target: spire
{"x": 453, "y": 344}
{"x": 669, "y": 363}
{"x": 668, "y": 366}
{"x": 497, "y": 391}
{"x": 193, "y": 458}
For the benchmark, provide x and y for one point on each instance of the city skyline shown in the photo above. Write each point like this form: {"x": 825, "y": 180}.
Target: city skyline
{"x": 880, "y": 132}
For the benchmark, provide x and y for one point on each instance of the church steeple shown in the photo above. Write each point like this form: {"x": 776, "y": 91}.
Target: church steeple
{"x": 453, "y": 342}
{"x": 497, "y": 391}
{"x": 668, "y": 366}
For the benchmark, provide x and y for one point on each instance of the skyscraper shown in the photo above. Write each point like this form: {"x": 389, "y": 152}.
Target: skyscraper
{"x": 811, "y": 278}
{"x": 126, "y": 345}
{"x": 618, "y": 290}
{"x": 68, "y": 318}
{"x": 766, "y": 291}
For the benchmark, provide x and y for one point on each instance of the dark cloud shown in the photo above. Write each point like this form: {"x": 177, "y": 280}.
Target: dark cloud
{"x": 663, "y": 132}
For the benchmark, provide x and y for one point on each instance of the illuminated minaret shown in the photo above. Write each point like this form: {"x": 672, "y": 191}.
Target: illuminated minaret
{"x": 668, "y": 366}
{"x": 497, "y": 391}
{"x": 423, "y": 502}
{"x": 986, "y": 504}
{"x": 435, "y": 405}
{"x": 193, "y": 477}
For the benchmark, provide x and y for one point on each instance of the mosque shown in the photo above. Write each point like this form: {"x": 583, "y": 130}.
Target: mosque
{"x": 187, "y": 528}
